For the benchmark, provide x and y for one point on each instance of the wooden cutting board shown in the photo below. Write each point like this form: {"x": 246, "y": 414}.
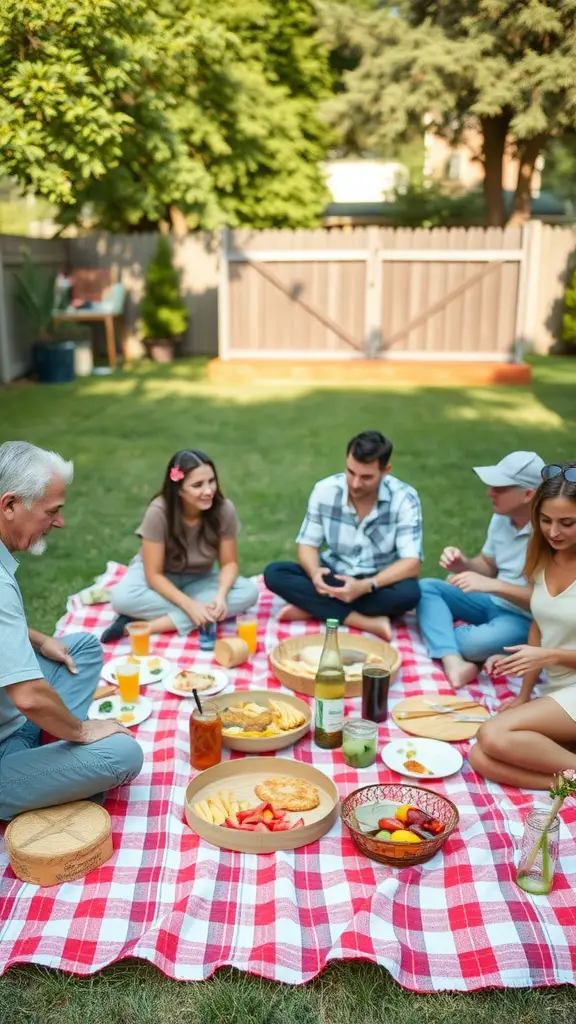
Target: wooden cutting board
{"x": 437, "y": 727}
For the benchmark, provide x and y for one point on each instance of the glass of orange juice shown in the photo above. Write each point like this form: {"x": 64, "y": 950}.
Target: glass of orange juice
{"x": 128, "y": 678}
{"x": 139, "y": 633}
{"x": 247, "y": 629}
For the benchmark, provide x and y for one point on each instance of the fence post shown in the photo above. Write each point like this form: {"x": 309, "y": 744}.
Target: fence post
{"x": 524, "y": 279}
{"x": 529, "y": 326}
{"x": 5, "y": 362}
{"x": 373, "y": 297}
{"x": 223, "y": 296}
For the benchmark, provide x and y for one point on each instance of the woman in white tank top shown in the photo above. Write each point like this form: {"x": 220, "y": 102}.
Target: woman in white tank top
{"x": 528, "y": 743}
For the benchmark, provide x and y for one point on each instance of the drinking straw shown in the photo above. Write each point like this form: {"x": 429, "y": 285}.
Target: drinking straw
{"x": 197, "y": 699}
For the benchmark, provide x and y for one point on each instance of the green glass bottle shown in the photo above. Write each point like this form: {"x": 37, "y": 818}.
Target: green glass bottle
{"x": 329, "y": 691}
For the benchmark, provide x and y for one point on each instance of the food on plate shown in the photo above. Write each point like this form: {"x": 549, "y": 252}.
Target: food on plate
{"x": 252, "y": 720}
{"x": 288, "y": 793}
{"x": 105, "y": 707}
{"x": 263, "y": 818}
{"x": 154, "y": 666}
{"x": 125, "y": 717}
{"x": 187, "y": 681}
{"x": 104, "y": 690}
{"x": 305, "y": 664}
{"x": 415, "y": 766}
{"x": 220, "y": 806}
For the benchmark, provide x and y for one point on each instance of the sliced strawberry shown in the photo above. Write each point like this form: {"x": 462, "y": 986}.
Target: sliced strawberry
{"x": 279, "y": 826}
{"x": 247, "y": 827}
{"x": 259, "y": 809}
{"x": 261, "y": 827}
{"x": 298, "y": 824}
{"x": 231, "y": 822}
{"x": 278, "y": 813}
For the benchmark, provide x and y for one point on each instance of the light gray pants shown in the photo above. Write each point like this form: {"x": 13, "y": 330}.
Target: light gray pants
{"x": 33, "y": 776}
{"x": 133, "y": 597}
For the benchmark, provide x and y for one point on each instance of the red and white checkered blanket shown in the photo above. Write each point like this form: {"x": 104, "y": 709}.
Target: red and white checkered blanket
{"x": 456, "y": 922}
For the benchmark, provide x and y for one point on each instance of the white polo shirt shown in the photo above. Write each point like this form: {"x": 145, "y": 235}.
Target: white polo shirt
{"x": 18, "y": 662}
{"x": 506, "y": 546}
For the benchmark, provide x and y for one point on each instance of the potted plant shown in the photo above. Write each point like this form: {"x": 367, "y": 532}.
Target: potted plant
{"x": 163, "y": 313}
{"x": 35, "y": 292}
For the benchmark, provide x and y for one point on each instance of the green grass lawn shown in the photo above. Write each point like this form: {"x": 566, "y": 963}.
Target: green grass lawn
{"x": 270, "y": 447}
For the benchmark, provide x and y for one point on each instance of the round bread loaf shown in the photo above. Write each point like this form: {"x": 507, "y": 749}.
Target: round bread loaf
{"x": 59, "y": 844}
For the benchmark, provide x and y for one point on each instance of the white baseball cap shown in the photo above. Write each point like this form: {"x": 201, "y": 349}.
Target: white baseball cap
{"x": 519, "y": 469}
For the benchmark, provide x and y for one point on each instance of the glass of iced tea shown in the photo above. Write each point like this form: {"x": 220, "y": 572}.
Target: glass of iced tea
{"x": 128, "y": 679}
{"x": 205, "y": 738}
{"x": 139, "y": 633}
{"x": 247, "y": 629}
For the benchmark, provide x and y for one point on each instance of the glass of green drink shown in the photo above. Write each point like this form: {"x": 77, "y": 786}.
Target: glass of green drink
{"x": 359, "y": 742}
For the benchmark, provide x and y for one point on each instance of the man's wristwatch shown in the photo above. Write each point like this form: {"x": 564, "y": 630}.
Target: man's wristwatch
{"x": 373, "y": 585}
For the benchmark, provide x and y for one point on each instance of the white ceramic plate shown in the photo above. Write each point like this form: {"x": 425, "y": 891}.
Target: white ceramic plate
{"x": 221, "y": 681}
{"x": 441, "y": 759}
{"x": 148, "y": 675}
{"x": 141, "y": 710}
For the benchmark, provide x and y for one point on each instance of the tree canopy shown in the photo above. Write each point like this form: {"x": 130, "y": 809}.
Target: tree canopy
{"x": 504, "y": 65}
{"x": 141, "y": 112}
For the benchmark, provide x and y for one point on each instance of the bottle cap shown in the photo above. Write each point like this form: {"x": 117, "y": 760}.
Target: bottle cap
{"x": 332, "y": 623}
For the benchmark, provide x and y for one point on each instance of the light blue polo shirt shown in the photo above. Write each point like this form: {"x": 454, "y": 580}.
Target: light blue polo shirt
{"x": 18, "y": 661}
{"x": 506, "y": 546}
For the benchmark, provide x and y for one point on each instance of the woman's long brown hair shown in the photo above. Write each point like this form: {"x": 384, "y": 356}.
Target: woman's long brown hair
{"x": 210, "y": 522}
{"x": 539, "y": 553}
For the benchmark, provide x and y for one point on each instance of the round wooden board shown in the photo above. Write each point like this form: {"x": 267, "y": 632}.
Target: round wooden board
{"x": 437, "y": 727}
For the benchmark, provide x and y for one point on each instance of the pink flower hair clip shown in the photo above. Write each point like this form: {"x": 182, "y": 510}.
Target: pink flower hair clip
{"x": 176, "y": 474}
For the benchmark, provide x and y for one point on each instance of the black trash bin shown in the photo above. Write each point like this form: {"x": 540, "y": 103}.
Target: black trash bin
{"x": 54, "y": 364}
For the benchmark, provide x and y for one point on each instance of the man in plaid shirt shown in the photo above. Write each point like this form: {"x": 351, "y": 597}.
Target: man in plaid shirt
{"x": 359, "y": 547}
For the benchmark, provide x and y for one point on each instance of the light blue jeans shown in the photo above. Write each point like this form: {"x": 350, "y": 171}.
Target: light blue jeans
{"x": 33, "y": 776}
{"x": 133, "y": 597}
{"x": 492, "y": 626}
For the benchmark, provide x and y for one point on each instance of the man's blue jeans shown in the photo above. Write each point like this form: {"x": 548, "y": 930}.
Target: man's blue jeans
{"x": 492, "y": 626}
{"x": 33, "y": 776}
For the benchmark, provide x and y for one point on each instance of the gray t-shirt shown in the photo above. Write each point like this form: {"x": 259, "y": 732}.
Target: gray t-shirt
{"x": 506, "y": 546}
{"x": 18, "y": 662}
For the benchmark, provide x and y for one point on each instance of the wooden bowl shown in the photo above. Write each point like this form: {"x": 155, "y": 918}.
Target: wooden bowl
{"x": 400, "y": 855}
{"x": 241, "y": 776}
{"x": 291, "y": 648}
{"x": 251, "y": 745}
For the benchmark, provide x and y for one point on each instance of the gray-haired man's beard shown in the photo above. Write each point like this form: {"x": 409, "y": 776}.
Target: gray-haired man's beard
{"x": 37, "y": 547}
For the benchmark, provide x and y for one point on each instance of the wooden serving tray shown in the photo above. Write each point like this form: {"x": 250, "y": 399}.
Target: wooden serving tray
{"x": 291, "y": 648}
{"x": 241, "y": 776}
{"x": 249, "y": 744}
{"x": 438, "y": 727}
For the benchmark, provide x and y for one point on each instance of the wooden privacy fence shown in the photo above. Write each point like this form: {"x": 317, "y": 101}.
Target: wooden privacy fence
{"x": 445, "y": 293}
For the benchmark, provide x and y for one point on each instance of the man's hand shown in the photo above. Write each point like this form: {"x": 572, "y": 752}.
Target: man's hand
{"x": 319, "y": 583}
{"x": 91, "y": 732}
{"x": 55, "y": 650}
{"x": 453, "y": 560}
{"x": 472, "y": 582}
{"x": 524, "y": 659}
{"x": 351, "y": 590}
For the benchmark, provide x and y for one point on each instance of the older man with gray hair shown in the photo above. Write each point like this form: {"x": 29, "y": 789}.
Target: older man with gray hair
{"x": 47, "y": 683}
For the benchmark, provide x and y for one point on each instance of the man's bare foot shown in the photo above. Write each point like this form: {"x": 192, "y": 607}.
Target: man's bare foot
{"x": 379, "y": 625}
{"x": 290, "y": 613}
{"x": 459, "y": 672}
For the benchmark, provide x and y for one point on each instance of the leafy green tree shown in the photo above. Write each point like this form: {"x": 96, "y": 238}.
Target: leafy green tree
{"x": 505, "y": 66}
{"x": 142, "y": 112}
{"x": 163, "y": 313}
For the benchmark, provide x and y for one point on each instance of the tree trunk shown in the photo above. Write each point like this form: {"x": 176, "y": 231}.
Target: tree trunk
{"x": 494, "y": 132}
{"x": 528, "y": 152}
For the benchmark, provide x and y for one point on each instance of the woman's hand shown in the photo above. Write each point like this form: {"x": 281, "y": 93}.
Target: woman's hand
{"x": 218, "y": 608}
{"x": 522, "y": 660}
{"x": 198, "y": 612}
{"x": 514, "y": 702}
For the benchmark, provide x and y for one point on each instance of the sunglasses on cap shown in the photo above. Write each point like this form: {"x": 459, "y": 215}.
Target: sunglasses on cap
{"x": 569, "y": 474}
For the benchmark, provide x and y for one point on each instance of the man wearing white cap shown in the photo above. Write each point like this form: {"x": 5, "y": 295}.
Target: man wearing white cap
{"x": 477, "y": 589}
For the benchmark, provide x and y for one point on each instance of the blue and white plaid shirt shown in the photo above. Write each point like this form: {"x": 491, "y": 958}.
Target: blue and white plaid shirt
{"x": 391, "y": 530}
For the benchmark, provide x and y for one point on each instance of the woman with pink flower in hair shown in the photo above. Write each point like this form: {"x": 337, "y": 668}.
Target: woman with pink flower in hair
{"x": 173, "y": 582}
